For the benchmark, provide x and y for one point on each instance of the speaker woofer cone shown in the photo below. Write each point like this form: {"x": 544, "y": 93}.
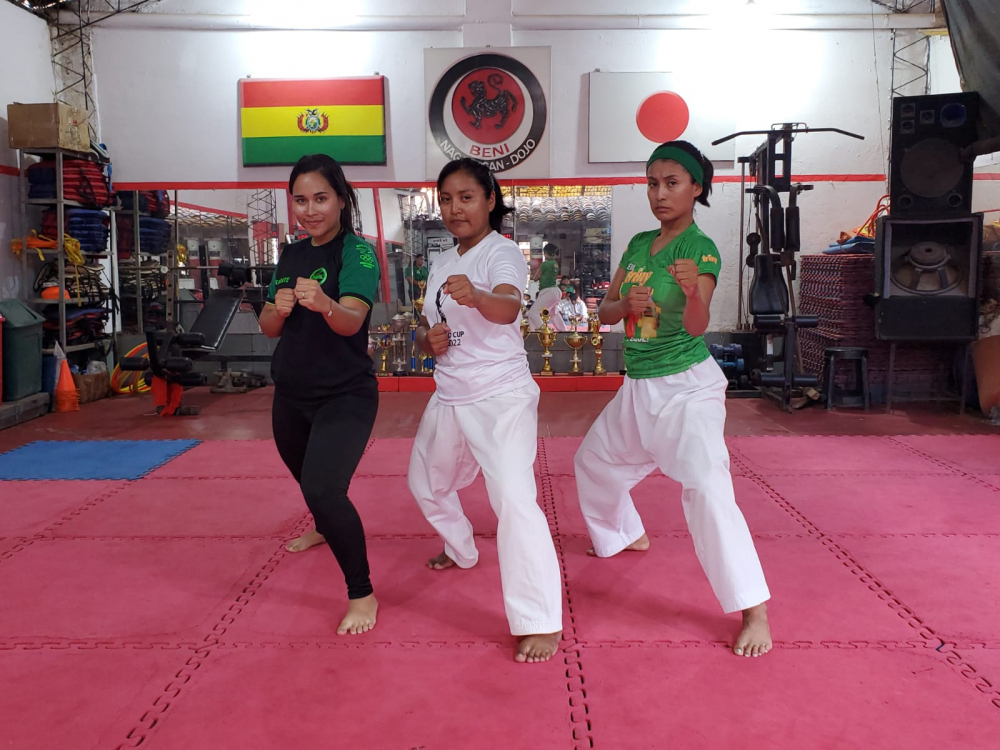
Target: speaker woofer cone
{"x": 931, "y": 168}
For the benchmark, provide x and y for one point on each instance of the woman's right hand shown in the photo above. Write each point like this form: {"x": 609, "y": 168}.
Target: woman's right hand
{"x": 636, "y": 302}
{"x": 284, "y": 302}
{"x": 437, "y": 339}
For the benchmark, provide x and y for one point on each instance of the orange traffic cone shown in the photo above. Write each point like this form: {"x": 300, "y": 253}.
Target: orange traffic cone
{"x": 67, "y": 397}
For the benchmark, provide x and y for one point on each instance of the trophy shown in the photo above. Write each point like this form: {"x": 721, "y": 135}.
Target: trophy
{"x": 384, "y": 340}
{"x": 525, "y": 325}
{"x": 398, "y": 338}
{"x": 546, "y": 337}
{"x": 575, "y": 341}
{"x": 415, "y": 352}
{"x": 418, "y": 303}
{"x": 597, "y": 341}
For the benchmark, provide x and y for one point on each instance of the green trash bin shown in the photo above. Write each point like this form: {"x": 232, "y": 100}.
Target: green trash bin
{"x": 22, "y": 350}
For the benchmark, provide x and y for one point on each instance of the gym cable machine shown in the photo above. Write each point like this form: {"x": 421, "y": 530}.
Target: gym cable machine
{"x": 772, "y": 249}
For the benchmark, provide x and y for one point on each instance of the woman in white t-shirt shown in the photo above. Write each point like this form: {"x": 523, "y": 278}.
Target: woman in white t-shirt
{"x": 484, "y": 412}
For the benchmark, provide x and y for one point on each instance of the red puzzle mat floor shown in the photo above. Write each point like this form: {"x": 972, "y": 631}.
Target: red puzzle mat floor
{"x": 164, "y": 612}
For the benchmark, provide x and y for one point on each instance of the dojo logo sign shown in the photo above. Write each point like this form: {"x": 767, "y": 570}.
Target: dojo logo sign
{"x": 488, "y": 107}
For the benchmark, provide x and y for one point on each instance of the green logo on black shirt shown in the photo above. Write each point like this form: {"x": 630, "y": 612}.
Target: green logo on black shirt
{"x": 319, "y": 275}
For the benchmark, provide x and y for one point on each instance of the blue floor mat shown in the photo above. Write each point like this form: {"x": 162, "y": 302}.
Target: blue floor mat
{"x": 90, "y": 459}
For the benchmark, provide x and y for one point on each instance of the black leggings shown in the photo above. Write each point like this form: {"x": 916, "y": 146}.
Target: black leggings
{"x": 322, "y": 445}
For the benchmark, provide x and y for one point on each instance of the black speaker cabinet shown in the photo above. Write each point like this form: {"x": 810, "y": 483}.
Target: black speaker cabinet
{"x": 927, "y": 278}
{"x": 927, "y": 179}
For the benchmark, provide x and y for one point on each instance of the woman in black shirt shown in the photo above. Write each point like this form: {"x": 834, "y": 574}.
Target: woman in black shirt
{"x": 325, "y": 391}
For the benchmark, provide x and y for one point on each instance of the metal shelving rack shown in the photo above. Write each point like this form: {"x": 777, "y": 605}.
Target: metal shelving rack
{"x": 60, "y": 204}
{"x": 135, "y": 262}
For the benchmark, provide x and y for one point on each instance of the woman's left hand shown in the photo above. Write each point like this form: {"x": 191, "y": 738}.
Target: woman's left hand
{"x": 685, "y": 272}
{"x": 311, "y": 296}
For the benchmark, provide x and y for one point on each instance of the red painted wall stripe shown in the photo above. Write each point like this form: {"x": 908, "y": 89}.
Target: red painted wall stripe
{"x": 9, "y": 171}
{"x": 342, "y": 91}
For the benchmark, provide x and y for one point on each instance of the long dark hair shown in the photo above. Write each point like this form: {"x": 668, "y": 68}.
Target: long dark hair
{"x": 486, "y": 179}
{"x": 332, "y": 173}
{"x": 706, "y": 167}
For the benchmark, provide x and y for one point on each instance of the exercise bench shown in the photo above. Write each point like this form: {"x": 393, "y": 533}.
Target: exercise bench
{"x": 169, "y": 364}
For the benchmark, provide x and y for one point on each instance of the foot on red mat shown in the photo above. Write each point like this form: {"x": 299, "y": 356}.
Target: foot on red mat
{"x": 639, "y": 545}
{"x": 304, "y": 542}
{"x": 538, "y": 648}
{"x": 440, "y": 562}
{"x": 755, "y": 637}
{"x": 360, "y": 617}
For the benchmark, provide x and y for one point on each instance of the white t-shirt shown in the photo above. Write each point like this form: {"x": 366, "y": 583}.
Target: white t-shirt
{"x": 484, "y": 359}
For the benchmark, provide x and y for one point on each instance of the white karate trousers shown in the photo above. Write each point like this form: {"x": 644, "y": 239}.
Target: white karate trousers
{"x": 547, "y": 299}
{"x": 500, "y": 435}
{"x": 674, "y": 423}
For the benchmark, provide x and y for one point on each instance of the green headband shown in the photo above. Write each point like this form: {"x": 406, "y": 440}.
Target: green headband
{"x": 683, "y": 158}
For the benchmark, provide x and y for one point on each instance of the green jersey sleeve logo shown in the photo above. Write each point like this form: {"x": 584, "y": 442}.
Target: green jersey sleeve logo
{"x": 366, "y": 255}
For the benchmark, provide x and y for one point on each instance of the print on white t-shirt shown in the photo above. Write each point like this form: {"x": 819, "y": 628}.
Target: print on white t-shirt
{"x": 484, "y": 359}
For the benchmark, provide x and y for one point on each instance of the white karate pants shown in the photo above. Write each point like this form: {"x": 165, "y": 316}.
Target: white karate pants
{"x": 500, "y": 435}
{"x": 674, "y": 423}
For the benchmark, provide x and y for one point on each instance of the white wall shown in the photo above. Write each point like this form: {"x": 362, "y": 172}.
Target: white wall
{"x": 175, "y": 117}
{"x": 24, "y": 47}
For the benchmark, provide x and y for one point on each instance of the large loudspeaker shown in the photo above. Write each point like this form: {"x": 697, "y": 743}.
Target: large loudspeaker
{"x": 927, "y": 278}
{"x": 927, "y": 179}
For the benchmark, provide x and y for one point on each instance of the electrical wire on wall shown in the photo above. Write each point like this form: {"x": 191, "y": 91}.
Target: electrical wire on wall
{"x": 882, "y": 124}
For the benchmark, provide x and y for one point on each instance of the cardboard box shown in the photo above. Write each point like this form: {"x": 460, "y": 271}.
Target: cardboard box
{"x": 92, "y": 387}
{"x": 54, "y": 125}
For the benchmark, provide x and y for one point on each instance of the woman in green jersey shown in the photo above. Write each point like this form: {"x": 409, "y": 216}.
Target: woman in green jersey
{"x": 671, "y": 410}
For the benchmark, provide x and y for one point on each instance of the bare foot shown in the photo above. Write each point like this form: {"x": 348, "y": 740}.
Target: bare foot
{"x": 538, "y": 648}
{"x": 304, "y": 542}
{"x": 755, "y": 637}
{"x": 360, "y": 617}
{"x": 639, "y": 545}
{"x": 440, "y": 562}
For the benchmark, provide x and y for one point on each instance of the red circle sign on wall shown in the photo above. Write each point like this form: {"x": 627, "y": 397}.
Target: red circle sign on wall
{"x": 663, "y": 117}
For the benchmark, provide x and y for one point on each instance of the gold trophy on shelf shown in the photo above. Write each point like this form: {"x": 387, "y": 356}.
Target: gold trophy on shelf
{"x": 418, "y": 303}
{"x": 575, "y": 341}
{"x": 597, "y": 341}
{"x": 384, "y": 341}
{"x": 525, "y": 325}
{"x": 546, "y": 337}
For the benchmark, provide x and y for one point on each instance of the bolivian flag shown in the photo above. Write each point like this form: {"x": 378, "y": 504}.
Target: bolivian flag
{"x": 283, "y": 120}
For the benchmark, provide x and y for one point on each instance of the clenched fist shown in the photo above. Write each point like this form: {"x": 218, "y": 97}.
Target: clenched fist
{"x": 311, "y": 296}
{"x": 685, "y": 271}
{"x": 461, "y": 290}
{"x": 437, "y": 339}
{"x": 637, "y": 299}
{"x": 284, "y": 302}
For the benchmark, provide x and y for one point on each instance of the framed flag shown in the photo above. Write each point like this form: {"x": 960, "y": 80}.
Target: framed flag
{"x": 632, "y": 113}
{"x": 491, "y": 105}
{"x": 283, "y": 120}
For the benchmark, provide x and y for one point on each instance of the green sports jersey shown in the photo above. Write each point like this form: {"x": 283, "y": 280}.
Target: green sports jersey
{"x": 656, "y": 343}
{"x": 547, "y": 279}
{"x": 418, "y": 274}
